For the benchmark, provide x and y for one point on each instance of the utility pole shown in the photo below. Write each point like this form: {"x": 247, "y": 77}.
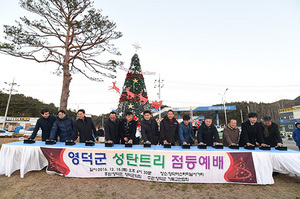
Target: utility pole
{"x": 159, "y": 83}
{"x": 12, "y": 84}
{"x": 102, "y": 121}
{"x": 191, "y": 113}
{"x": 224, "y": 101}
{"x": 242, "y": 120}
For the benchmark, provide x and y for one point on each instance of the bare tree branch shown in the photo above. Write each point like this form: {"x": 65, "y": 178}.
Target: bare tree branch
{"x": 70, "y": 33}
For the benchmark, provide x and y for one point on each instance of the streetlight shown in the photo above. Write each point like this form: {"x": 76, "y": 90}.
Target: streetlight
{"x": 224, "y": 101}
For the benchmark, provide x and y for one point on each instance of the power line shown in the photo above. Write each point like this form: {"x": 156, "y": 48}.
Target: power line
{"x": 159, "y": 84}
{"x": 201, "y": 84}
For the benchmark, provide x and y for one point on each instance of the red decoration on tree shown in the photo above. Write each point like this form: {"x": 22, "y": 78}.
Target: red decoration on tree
{"x": 135, "y": 118}
{"x": 143, "y": 99}
{"x": 130, "y": 95}
{"x": 156, "y": 104}
{"x": 134, "y": 85}
{"x": 114, "y": 87}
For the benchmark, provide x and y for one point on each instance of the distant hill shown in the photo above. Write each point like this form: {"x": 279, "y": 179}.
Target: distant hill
{"x": 297, "y": 101}
{"x": 23, "y": 106}
{"x": 262, "y": 109}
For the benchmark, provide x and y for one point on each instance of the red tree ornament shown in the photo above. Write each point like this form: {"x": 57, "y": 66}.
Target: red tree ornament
{"x": 130, "y": 95}
{"x": 143, "y": 99}
{"x": 114, "y": 87}
{"x": 135, "y": 118}
{"x": 156, "y": 104}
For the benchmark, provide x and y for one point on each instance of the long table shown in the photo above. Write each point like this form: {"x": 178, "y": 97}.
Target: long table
{"x": 152, "y": 164}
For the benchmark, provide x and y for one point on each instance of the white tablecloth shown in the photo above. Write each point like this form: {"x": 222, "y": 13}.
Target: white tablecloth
{"x": 23, "y": 158}
{"x": 19, "y": 156}
{"x": 286, "y": 163}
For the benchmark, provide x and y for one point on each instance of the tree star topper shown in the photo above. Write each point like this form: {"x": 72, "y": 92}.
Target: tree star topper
{"x": 136, "y": 46}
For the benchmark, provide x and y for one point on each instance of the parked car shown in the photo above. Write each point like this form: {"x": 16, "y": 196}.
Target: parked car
{"x": 29, "y": 131}
{"x": 220, "y": 129}
{"x": 4, "y": 133}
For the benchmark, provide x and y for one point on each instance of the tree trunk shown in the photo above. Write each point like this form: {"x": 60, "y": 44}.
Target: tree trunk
{"x": 65, "y": 92}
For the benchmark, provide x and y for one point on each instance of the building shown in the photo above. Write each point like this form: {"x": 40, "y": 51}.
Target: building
{"x": 288, "y": 118}
{"x": 13, "y": 122}
{"x": 190, "y": 111}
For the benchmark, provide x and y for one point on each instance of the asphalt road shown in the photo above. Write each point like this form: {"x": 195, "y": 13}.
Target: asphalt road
{"x": 291, "y": 144}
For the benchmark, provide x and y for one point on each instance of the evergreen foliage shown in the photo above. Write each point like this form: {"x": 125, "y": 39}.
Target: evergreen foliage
{"x": 69, "y": 33}
{"x": 22, "y": 106}
{"x": 134, "y": 96}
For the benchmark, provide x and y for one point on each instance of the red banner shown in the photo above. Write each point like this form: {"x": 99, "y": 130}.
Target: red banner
{"x": 55, "y": 160}
{"x": 241, "y": 168}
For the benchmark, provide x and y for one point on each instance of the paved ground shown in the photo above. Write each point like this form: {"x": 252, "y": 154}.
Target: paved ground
{"x": 291, "y": 144}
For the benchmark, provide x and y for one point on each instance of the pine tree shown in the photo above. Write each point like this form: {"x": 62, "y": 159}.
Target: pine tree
{"x": 134, "y": 94}
{"x": 69, "y": 33}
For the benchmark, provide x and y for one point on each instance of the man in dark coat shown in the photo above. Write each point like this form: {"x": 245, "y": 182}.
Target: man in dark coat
{"x": 62, "y": 127}
{"x": 84, "y": 126}
{"x": 251, "y": 133}
{"x": 270, "y": 130}
{"x": 112, "y": 129}
{"x": 169, "y": 128}
{"x": 45, "y": 123}
{"x": 208, "y": 133}
{"x": 128, "y": 129}
{"x": 149, "y": 129}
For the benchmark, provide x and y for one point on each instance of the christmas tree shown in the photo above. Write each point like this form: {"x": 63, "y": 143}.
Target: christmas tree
{"x": 134, "y": 94}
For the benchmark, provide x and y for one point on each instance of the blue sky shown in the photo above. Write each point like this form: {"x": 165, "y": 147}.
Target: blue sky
{"x": 199, "y": 48}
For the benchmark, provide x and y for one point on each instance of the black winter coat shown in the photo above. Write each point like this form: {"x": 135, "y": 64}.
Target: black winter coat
{"x": 85, "y": 128}
{"x": 45, "y": 125}
{"x": 150, "y": 131}
{"x": 274, "y": 134}
{"x": 250, "y": 133}
{"x": 100, "y": 133}
{"x": 169, "y": 131}
{"x": 208, "y": 134}
{"x": 129, "y": 131}
{"x": 112, "y": 131}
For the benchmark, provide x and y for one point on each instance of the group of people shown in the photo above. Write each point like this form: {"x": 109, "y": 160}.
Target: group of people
{"x": 64, "y": 127}
{"x": 170, "y": 131}
{"x": 119, "y": 131}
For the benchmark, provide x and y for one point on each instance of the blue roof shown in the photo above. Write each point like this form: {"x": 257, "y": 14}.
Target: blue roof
{"x": 215, "y": 108}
